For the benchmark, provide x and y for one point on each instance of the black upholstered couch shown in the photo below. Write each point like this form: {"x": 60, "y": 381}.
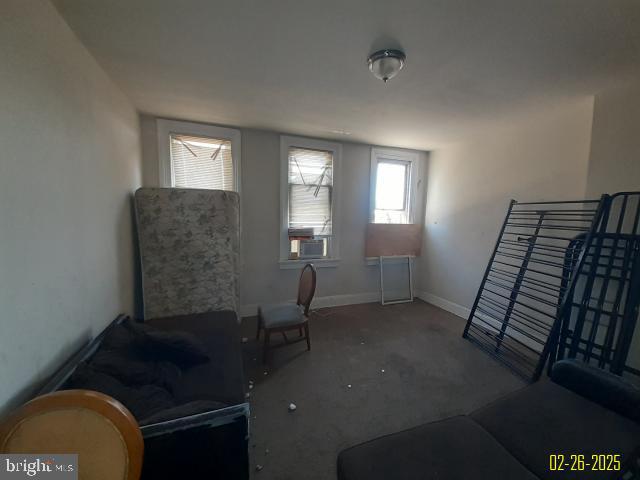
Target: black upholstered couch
{"x": 187, "y": 393}
{"x": 580, "y": 411}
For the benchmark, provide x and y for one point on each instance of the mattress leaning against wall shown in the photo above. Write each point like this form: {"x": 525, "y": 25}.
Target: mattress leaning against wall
{"x": 189, "y": 250}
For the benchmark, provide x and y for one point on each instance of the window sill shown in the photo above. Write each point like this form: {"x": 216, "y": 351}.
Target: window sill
{"x": 317, "y": 262}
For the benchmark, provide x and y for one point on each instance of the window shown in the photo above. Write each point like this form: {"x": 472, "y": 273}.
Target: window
{"x": 194, "y": 155}
{"x": 201, "y": 162}
{"x": 308, "y": 200}
{"x": 392, "y": 186}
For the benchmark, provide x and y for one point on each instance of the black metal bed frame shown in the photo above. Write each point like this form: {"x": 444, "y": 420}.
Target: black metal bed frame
{"x": 536, "y": 299}
{"x": 598, "y": 321}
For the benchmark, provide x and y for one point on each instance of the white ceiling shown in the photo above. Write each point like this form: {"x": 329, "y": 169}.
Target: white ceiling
{"x": 299, "y": 66}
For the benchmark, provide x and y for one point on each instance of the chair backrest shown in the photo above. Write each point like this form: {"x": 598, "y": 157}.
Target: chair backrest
{"x": 96, "y": 427}
{"x": 307, "y": 286}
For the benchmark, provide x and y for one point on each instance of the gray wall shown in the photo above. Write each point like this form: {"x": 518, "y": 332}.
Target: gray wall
{"x": 70, "y": 160}
{"x": 541, "y": 155}
{"x": 614, "y": 163}
{"x": 262, "y": 280}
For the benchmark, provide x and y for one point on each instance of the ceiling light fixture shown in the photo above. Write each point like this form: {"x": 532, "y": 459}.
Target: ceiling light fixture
{"x": 385, "y": 64}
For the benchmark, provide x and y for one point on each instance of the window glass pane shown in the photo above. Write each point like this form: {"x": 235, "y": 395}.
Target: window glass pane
{"x": 201, "y": 162}
{"x": 310, "y": 207}
{"x": 391, "y": 184}
{"x": 310, "y": 189}
{"x": 310, "y": 167}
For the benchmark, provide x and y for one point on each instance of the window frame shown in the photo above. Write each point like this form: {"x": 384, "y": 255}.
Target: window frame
{"x": 166, "y": 128}
{"x": 391, "y": 155}
{"x": 333, "y": 247}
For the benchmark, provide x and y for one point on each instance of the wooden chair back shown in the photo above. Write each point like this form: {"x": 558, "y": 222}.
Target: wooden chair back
{"x": 307, "y": 286}
{"x": 97, "y": 427}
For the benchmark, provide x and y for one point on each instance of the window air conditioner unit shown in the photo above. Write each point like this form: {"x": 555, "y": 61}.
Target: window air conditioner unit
{"x": 311, "y": 248}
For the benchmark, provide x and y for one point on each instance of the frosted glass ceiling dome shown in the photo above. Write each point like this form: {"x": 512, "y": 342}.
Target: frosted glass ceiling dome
{"x": 385, "y": 64}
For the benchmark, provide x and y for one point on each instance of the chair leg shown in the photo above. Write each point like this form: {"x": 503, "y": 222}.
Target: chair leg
{"x": 306, "y": 331}
{"x": 258, "y": 329}
{"x": 299, "y": 331}
{"x": 267, "y": 335}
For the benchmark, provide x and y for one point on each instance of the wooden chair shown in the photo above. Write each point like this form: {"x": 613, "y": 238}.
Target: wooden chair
{"x": 289, "y": 316}
{"x": 97, "y": 427}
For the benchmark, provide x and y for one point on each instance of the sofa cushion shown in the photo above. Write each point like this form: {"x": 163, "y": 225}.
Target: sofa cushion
{"x": 142, "y": 401}
{"x": 222, "y": 377}
{"x": 609, "y": 390}
{"x": 147, "y": 400}
{"x": 132, "y": 371}
{"x": 545, "y": 419}
{"x": 118, "y": 337}
{"x": 180, "y": 347}
{"x": 455, "y": 448}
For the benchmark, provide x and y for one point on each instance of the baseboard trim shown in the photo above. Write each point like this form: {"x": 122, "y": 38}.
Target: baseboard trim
{"x": 459, "y": 310}
{"x": 348, "y": 299}
{"x": 251, "y": 309}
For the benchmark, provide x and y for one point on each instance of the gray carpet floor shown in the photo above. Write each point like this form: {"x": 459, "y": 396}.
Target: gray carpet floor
{"x": 372, "y": 370}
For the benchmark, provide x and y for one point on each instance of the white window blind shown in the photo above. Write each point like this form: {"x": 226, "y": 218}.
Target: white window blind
{"x": 310, "y": 189}
{"x": 201, "y": 162}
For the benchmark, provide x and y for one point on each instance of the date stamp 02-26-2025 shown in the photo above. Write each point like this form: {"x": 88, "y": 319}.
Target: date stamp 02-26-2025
{"x": 604, "y": 462}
